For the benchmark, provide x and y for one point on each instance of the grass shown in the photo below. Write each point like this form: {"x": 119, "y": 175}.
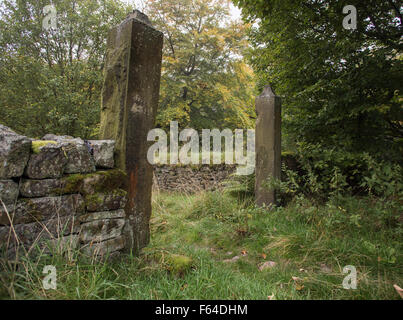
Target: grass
{"x": 309, "y": 244}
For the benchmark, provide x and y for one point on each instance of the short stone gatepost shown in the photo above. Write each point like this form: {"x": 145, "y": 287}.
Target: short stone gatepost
{"x": 268, "y": 145}
{"x": 129, "y": 106}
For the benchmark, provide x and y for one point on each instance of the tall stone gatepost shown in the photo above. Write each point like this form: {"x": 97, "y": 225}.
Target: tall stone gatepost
{"x": 268, "y": 145}
{"x": 129, "y": 106}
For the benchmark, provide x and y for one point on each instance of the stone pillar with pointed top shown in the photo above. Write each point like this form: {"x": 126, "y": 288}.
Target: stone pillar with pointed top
{"x": 268, "y": 145}
{"x": 129, "y": 106}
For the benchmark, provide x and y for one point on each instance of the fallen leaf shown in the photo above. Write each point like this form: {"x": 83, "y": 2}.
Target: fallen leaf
{"x": 298, "y": 283}
{"x": 244, "y": 253}
{"x": 264, "y": 256}
{"x": 398, "y": 290}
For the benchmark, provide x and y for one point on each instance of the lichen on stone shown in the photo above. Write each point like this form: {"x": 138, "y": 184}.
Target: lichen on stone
{"x": 97, "y": 182}
{"x": 94, "y": 200}
{"x": 112, "y": 180}
{"x": 119, "y": 193}
{"x": 37, "y": 145}
{"x": 112, "y": 200}
{"x": 72, "y": 183}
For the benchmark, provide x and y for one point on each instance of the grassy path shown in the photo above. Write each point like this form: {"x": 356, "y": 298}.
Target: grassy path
{"x": 302, "y": 247}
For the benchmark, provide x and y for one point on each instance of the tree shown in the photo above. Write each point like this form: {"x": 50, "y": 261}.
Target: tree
{"x": 341, "y": 88}
{"x": 205, "y": 82}
{"x": 51, "y": 80}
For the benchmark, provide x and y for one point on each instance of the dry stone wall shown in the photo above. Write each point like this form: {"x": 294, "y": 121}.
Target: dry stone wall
{"x": 191, "y": 179}
{"x": 61, "y": 190}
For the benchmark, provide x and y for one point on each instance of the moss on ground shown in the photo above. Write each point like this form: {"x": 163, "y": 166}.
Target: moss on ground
{"x": 179, "y": 264}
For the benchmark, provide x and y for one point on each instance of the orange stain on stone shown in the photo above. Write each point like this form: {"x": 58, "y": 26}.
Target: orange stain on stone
{"x": 132, "y": 187}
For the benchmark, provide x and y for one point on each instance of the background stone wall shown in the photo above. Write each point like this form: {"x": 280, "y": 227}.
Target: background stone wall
{"x": 60, "y": 190}
{"x": 191, "y": 179}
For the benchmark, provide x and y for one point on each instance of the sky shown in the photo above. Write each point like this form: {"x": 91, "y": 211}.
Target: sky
{"x": 235, "y": 12}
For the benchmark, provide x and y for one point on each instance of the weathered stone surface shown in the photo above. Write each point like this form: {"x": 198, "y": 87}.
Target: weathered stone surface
{"x": 191, "y": 179}
{"x": 103, "y": 181}
{"x": 103, "y": 153}
{"x": 37, "y": 232}
{"x": 53, "y": 137}
{"x": 5, "y": 237}
{"x": 101, "y": 230}
{"x": 268, "y": 145}
{"x": 106, "y": 202}
{"x": 8, "y": 191}
{"x": 79, "y": 159}
{"x": 49, "y": 163}
{"x": 93, "y": 216}
{"x": 40, "y": 209}
{"x": 14, "y": 153}
{"x": 64, "y": 243}
{"x": 105, "y": 247}
{"x": 6, "y": 213}
{"x": 41, "y": 188}
{"x": 100, "y": 181}
{"x": 129, "y": 106}
{"x": 86, "y": 184}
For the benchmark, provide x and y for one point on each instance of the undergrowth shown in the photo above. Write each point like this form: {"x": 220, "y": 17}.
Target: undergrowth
{"x": 221, "y": 240}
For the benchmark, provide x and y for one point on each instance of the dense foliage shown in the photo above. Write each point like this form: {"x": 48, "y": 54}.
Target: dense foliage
{"x": 205, "y": 82}
{"x": 51, "y": 80}
{"x": 341, "y": 88}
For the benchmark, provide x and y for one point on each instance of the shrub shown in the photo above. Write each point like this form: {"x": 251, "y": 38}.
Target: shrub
{"x": 321, "y": 173}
